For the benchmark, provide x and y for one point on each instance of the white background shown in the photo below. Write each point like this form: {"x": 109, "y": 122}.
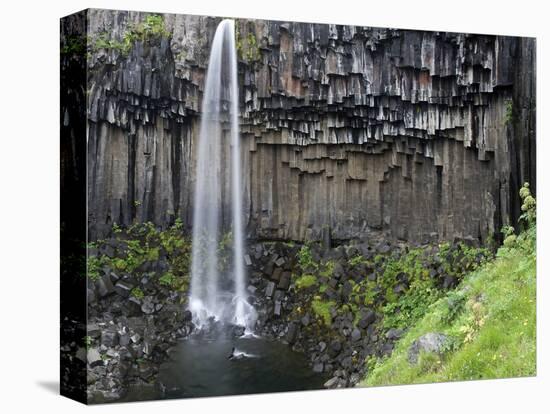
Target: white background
{"x": 29, "y": 205}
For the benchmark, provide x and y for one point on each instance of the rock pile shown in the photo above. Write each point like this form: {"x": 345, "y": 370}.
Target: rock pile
{"x": 320, "y": 319}
{"x": 128, "y": 333}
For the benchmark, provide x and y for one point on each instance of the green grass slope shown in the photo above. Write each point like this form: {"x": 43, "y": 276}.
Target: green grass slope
{"x": 489, "y": 320}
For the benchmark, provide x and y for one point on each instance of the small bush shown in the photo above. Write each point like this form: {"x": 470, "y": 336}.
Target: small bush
{"x": 305, "y": 259}
{"x": 322, "y": 310}
{"x": 137, "y": 293}
{"x": 305, "y": 281}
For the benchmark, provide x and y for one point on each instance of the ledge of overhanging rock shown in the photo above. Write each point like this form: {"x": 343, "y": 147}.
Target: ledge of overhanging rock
{"x": 330, "y": 135}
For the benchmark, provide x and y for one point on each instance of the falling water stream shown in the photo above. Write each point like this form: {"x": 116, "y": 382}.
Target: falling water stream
{"x": 219, "y": 141}
{"x": 212, "y": 361}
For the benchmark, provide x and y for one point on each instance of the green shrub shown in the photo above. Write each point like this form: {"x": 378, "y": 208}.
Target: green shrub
{"x": 509, "y": 115}
{"x": 151, "y": 28}
{"x": 528, "y": 206}
{"x": 322, "y": 310}
{"x": 305, "y": 281}
{"x": 137, "y": 293}
{"x": 94, "y": 266}
{"x": 168, "y": 279}
{"x": 305, "y": 259}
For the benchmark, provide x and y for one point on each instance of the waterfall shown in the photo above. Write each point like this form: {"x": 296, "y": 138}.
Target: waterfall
{"x": 219, "y": 293}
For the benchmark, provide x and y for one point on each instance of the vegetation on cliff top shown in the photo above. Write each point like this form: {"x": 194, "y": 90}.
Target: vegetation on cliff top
{"x": 151, "y": 28}
{"x": 489, "y": 320}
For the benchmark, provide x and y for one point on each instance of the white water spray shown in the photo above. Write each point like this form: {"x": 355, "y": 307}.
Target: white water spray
{"x": 209, "y": 296}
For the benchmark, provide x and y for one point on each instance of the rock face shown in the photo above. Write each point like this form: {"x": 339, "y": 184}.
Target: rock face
{"x": 346, "y": 130}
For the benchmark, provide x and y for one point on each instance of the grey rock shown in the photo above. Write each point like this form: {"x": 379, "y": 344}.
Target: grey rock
{"x": 93, "y": 330}
{"x": 366, "y": 318}
{"x": 332, "y": 383}
{"x": 123, "y": 288}
{"x": 81, "y": 354}
{"x": 292, "y": 333}
{"x": 94, "y": 357}
{"x": 148, "y": 307}
{"x": 318, "y": 367}
{"x": 394, "y": 334}
{"x": 277, "y": 308}
{"x": 270, "y": 288}
{"x": 276, "y": 276}
{"x": 284, "y": 282}
{"x": 335, "y": 347}
{"x": 431, "y": 342}
{"x": 109, "y": 338}
{"x": 105, "y": 286}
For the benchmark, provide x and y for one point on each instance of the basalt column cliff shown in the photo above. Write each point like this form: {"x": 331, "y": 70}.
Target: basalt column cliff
{"x": 346, "y": 131}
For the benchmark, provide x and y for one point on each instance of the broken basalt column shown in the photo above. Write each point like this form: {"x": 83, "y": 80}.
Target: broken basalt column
{"x": 346, "y": 130}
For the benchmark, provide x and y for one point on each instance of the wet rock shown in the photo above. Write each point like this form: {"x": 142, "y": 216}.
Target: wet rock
{"x": 146, "y": 371}
{"x": 430, "y": 342}
{"x": 187, "y": 316}
{"x": 238, "y": 331}
{"x": 292, "y": 333}
{"x": 355, "y": 335}
{"x": 318, "y": 367}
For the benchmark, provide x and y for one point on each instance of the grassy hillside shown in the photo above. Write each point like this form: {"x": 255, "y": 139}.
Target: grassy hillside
{"x": 489, "y": 322}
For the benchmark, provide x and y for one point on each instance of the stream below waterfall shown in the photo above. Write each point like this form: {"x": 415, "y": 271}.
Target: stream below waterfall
{"x": 201, "y": 368}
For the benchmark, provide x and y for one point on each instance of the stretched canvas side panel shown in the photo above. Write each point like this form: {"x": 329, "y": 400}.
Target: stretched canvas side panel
{"x": 73, "y": 206}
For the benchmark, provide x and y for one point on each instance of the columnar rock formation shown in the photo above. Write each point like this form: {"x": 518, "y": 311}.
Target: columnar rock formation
{"x": 347, "y": 130}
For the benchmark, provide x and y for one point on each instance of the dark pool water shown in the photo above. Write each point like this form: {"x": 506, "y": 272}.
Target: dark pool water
{"x": 201, "y": 368}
